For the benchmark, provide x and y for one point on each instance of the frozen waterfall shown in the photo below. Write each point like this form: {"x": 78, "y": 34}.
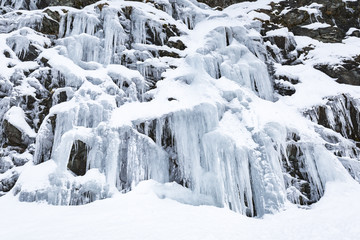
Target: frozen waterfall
{"x": 171, "y": 91}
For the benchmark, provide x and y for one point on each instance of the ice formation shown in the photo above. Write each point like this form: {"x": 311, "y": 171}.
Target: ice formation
{"x": 164, "y": 90}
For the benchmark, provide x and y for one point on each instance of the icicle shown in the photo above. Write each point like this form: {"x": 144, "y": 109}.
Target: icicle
{"x": 114, "y": 34}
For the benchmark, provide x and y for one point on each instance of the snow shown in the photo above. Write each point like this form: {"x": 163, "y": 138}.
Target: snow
{"x": 259, "y": 15}
{"x": 284, "y": 32}
{"x": 351, "y": 30}
{"x": 16, "y": 117}
{"x": 246, "y": 7}
{"x": 142, "y": 214}
{"x": 310, "y": 90}
{"x": 317, "y": 25}
{"x": 313, "y": 8}
{"x": 328, "y": 53}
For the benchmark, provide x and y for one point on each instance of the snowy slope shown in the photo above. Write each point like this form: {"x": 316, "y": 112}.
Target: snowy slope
{"x": 142, "y": 215}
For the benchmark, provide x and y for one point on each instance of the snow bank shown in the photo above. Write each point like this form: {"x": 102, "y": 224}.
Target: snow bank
{"x": 140, "y": 215}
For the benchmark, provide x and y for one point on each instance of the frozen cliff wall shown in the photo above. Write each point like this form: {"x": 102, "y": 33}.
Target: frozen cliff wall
{"x": 98, "y": 96}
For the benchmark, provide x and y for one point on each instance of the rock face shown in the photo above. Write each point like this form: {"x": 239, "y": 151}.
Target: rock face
{"x": 233, "y": 103}
{"x": 13, "y": 135}
{"x": 341, "y": 114}
{"x": 339, "y": 16}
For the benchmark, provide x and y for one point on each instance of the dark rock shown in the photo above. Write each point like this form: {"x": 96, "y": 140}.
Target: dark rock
{"x": 102, "y": 5}
{"x": 28, "y": 51}
{"x": 53, "y": 14}
{"x": 282, "y": 48}
{"x": 62, "y": 97}
{"x": 49, "y": 26}
{"x": 341, "y": 114}
{"x": 178, "y": 44}
{"x": 336, "y": 13}
{"x": 30, "y": 55}
{"x": 299, "y": 177}
{"x": 44, "y": 62}
{"x": 164, "y": 53}
{"x": 282, "y": 42}
{"x": 355, "y": 33}
{"x": 29, "y": 100}
{"x": 327, "y": 35}
{"x": 295, "y": 17}
{"x": 284, "y": 90}
{"x": 13, "y": 135}
{"x": 284, "y": 85}
{"x": 154, "y": 37}
{"x": 78, "y": 158}
{"x": 7, "y": 54}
